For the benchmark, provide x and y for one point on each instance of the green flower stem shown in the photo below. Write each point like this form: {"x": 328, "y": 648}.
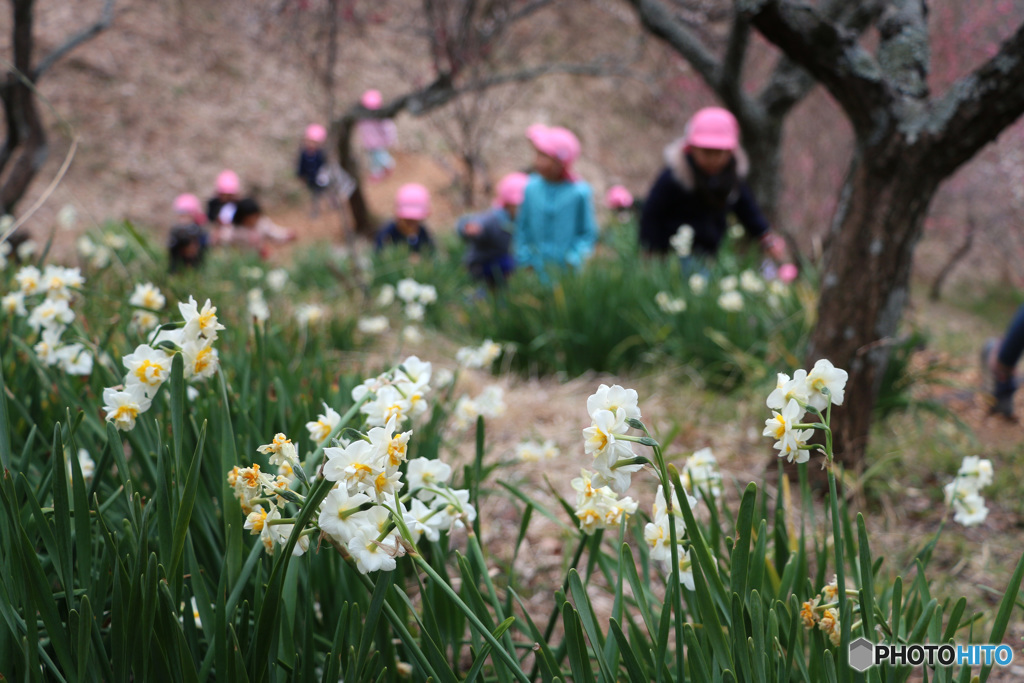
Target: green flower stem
{"x": 666, "y": 487}
{"x": 507, "y": 658}
{"x": 625, "y": 462}
{"x": 837, "y": 541}
{"x": 283, "y": 520}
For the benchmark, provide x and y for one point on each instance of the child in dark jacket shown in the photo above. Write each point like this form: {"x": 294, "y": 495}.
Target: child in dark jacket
{"x": 703, "y": 182}
{"x": 187, "y": 242}
{"x": 311, "y": 162}
{"x": 412, "y": 206}
{"x": 489, "y": 234}
{"x": 220, "y": 209}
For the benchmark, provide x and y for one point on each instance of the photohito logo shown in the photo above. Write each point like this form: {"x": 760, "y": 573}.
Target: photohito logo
{"x": 864, "y": 654}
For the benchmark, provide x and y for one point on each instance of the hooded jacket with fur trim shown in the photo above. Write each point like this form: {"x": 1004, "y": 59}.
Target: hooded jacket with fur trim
{"x": 674, "y": 202}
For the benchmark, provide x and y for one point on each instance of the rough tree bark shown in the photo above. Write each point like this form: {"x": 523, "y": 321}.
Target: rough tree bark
{"x": 25, "y": 147}
{"x": 906, "y": 144}
{"x": 761, "y": 115}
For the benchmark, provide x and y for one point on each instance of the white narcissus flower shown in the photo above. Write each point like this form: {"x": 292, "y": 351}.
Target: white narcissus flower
{"x": 337, "y": 513}
{"x": 280, "y": 533}
{"x": 751, "y": 282}
{"x": 669, "y": 304}
{"x": 529, "y": 451}
{"x": 423, "y": 520}
{"x": 147, "y": 367}
{"x": 277, "y": 279}
{"x": 788, "y": 440}
{"x": 309, "y": 314}
{"x": 200, "y": 359}
{"x": 255, "y": 520}
{"x": 731, "y": 301}
{"x": 249, "y": 483}
{"x": 282, "y": 451}
{"x": 480, "y": 356}
{"x": 372, "y": 555}
{"x": 114, "y": 241}
{"x": 356, "y": 466}
{"x": 491, "y": 402}
{"x": 685, "y": 568}
{"x": 425, "y": 474}
{"x": 411, "y": 334}
{"x": 376, "y": 324}
{"x": 251, "y": 272}
{"x": 599, "y": 437}
{"x": 408, "y": 290}
{"x": 54, "y": 313}
{"x": 85, "y": 464}
{"x": 124, "y": 406}
{"x": 612, "y": 398}
{"x": 729, "y": 283}
{"x": 969, "y": 509}
{"x": 258, "y": 308}
{"x": 14, "y": 304}
{"x": 85, "y": 247}
{"x": 414, "y": 311}
{"x": 191, "y": 393}
{"x": 74, "y": 359}
{"x": 144, "y": 321}
{"x": 47, "y": 347}
{"x": 660, "y": 508}
{"x": 324, "y": 424}
{"x": 26, "y": 250}
{"x": 825, "y": 376}
{"x": 67, "y": 217}
{"x": 386, "y": 296}
{"x": 682, "y": 241}
{"x": 701, "y": 472}
{"x": 736, "y": 231}
{"x": 390, "y": 403}
{"x": 698, "y": 283}
{"x": 29, "y": 280}
{"x": 787, "y": 389}
{"x": 199, "y": 321}
{"x": 58, "y": 280}
{"x": 975, "y": 472}
{"x": 427, "y": 294}
{"x": 147, "y": 295}
{"x": 101, "y": 257}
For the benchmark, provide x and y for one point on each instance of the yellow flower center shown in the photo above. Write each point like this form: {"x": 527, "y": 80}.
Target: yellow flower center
{"x": 396, "y": 451}
{"x": 149, "y": 300}
{"x": 780, "y": 429}
{"x": 258, "y": 523}
{"x": 252, "y": 477}
{"x": 381, "y": 482}
{"x": 203, "y": 360}
{"x": 126, "y": 413}
{"x": 142, "y": 372}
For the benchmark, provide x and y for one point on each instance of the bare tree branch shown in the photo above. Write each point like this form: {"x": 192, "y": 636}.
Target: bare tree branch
{"x": 660, "y": 22}
{"x": 830, "y": 53}
{"x": 903, "y": 52}
{"x": 86, "y": 34}
{"x": 978, "y": 106}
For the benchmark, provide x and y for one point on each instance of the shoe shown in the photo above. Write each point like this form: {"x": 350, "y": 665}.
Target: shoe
{"x": 988, "y": 357}
{"x": 999, "y": 387}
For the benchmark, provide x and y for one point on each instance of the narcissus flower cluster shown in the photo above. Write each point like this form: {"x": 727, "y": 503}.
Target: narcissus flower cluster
{"x": 149, "y": 366}
{"x": 964, "y": 492}
{"x": 791, "y": 400}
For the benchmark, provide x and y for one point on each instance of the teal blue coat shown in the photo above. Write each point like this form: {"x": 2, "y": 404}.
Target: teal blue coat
{"x": 555, "y": 226}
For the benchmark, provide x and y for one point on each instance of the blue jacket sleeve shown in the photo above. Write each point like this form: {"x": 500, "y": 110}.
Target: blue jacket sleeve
{"x": 749, "y": 213}
{"x": 586, "y": 229}
{"x": 525, "y": 249}
{"x": 655, "y": 222}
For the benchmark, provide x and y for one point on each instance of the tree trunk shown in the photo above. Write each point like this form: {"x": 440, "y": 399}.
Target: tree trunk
{"x": 762, "y": 141}
{"x": 866, "y": 276}
{"x": 361, "y": 217}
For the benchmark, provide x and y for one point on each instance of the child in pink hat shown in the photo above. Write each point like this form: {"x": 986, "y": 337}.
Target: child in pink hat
{"x": 412, "y": 206}
{"x": 488, "y": 235}
{"x": 187, "y": 242}
{"x": 312, "y": 160}
{"x": 704, "y": 181}
{"x": 220, "y": 209}
{"x": 555, "y": 226}
{"x": 377, "y": 136}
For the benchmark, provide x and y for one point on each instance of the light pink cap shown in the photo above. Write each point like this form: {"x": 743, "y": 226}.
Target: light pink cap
{"x": 412, "y": 202}
{"x": 187, "y": 205}
{"x": 511, "y": 189}
{"x": 372, "y": 99}
{"x": 618, "y": 197}
{"x": 228, "y": 183}
{"x": 316, "y": 133}
{"x": 787, "y": 272}
{"x": 558, "y": 143}
{"x": 713, "y": 128}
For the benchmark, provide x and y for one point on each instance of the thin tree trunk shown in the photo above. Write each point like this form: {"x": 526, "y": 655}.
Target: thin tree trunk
{"x": 361, "y": 216}
{"x": 763, "y": 144}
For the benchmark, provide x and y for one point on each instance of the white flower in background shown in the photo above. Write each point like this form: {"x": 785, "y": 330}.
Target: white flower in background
{"x": 975, "y": 472}
{"x": 251, "y": 273}
{"x": 191, "y": 393}
{"x": 964, "y": 492}
{"x": 67, "y": 217}
{"x": 282, "y": 451}
{"x": 478, "y": 356}
{"x": 658, "y": 537}
{"x": 427, "y": 294}
{"x": 408, "y": 290}
{"x": 114, "y": 241}
{"x": 58, "y": 280}
{"x": 701, "y": 472}
{"x": 778, "y": 288}
{"x": 731, "y": 301}
{"x": 74, "y": 359}
{"x": 491, "y": 402}
{"x": 788, "y": 440}
{"x": 736, "y": 231}
{"x": 685, "y": 569}
{"x": 969, "y": 509}
{"x": 143, "y": 321}
{"x": 825, "y": 376}
{"x": 751, "y": 282}
{"x": 729, "y": 283}
{"x": 443, "y": 377}
{"x": 529, "y": 451}
{"x": 454, "y": 508}
{"x": 147, "y": 295}
{"x": 682, "y": 241}
{"x": 249, "y": 483}
{"x": 280, "y": 533}
{"x": 147, "y": 367}
{"x": 86, "y": 464}
{"x": 14, "y": 304}
{"x": 660, "y": 508}
{"x": 669, "y": 304}
{"x": 29, "y": 280}
{"x": 386, "y": 296}
{"x": 101, "y": 258}
{"x": 277, "y": 279}
{"x": 612, "y": 398}
{"x": 199, "y": 322}
{"x": 414, "y": 311}
{"x": 425, "y": 474}
{"x": 309, "y": 314}
{"x": 51, "y": 313}
{"x": 324, "y": 424}
{"x": 377, "y": 324}
{"x": 597, "y": 507}
{"x": 26, "y": 249}
{"x": 390, "y": 403}
{"x": 787, "y": 389}
{"x": 370, "y": 554}
{"x": 423, "y": 520}
{"x": 48, "y": 345}
{"x": 257, "y": 305}
{"x": 122, "y": 407}
{"x": 411, "y": 334}
{"x": 337, "y": 513}
{"x": 416, "y": 371}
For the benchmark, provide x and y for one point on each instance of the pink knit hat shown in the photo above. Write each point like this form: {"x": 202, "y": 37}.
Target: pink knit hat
{"x": 558, "y": 143}
{"x": 511, "y": 189}
{"x": 371, "y": 99}
{"x": 228, "y": 183}
{"x": 713, "y": 128}
{"x": 316, "y": 133}
{"x": 412, "y": 202}
{"x": 187, "y": 204}
{"x": 618, "y": 197}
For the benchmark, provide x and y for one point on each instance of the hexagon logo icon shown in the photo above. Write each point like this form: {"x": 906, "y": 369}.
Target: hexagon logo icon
{"x": 862, "y": 654}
